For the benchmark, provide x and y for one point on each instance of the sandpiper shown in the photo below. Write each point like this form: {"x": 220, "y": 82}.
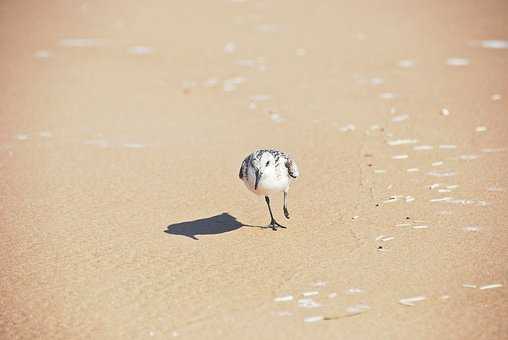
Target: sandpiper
{"x": 266, "y": 172}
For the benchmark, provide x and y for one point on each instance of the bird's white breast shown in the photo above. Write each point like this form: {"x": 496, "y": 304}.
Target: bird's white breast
{"x": 270, "y": 182}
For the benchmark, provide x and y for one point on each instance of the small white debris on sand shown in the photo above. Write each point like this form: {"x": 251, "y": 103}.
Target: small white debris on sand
{"x": 496, "y": 97}
{"x": 443, "y": 199}
{"x": 231, "y": 84}
{"x": 492, "y": 150}
{"x": 284, "y": 313}
{"x": 447, "y": 146}
{"x": 411, "y": 301}
{"x": 230, "y": 47}
{"x": 357, "y": 309}
{"x": 496, "y": 44}
{"x": 140, "y": 50}
{"x": 81, "y": 42}
{"x": 332, "y": 295}
{"x": 391, "y": 200}
{"x": 420, "y": 227}
{"x": 495, "y": 189}
{"x": 388, "y": 95}
{"x": 45, "y": 134}
{"x": 134, "y": 145}
{"x": 22, "y": 136}
{"x": 409, "y": 199}
{"x": 444, "y": 190}
{"x": 260, "y": 97}
{"x": 387, "y": 238}
{"x": 276, "y": 118}
{"x": 402, "y": 142}
{"x": 308, "y": 303}
{"x": 347, "y": 128}
{"x": 268, "y": 28}
{"x": 468, "y": 285}
{"x": 491, "y": 286}
{"x": 406, "y": 63}
{"x": 211, "y": 82}
{"x": 42, "y": 54}
{"x": 360, "y": 36}
{"x": 229, "y": 87}
{"x": 400, "y": 118}
{"x": 98, "y": 142}
{"x": 423, "y": 147}
{"x": 468, "y": 157}
{"x": 376, "y": 81}
{"x": 472, "y": 228}
{"x": 441, "y": 174}
{"x": 354, "y": 291}
{"x": 313, "y": 318}
{"x": 188, "y": 84}
{"x": 433, "y": 186}
{"x": 481, "y": 128}
{"x": 400, "y": 157}
{"x": 457, "y": 61}
{"x": 355, "y": 217}
{"x": 283, "y": 298}
{"x": 437, "y": 163}
{"x": 445, "y": 112}
{"x": 319, "y": 284}
{"x": 310, "y": 293}
{"x": 301, "y": 52}
{"x": 412, "y": 170}
{"x": 445, "y": 297}
{"x": 403, "y": 225}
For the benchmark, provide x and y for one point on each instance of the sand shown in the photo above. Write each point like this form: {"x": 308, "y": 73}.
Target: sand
{"x": 123, "y": 127}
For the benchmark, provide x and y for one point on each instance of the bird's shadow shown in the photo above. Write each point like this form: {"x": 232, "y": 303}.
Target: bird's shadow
{"x": 217, "y": 224}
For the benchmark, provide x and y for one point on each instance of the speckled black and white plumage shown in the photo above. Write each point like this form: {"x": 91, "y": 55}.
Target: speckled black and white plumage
{"x": 279, "y": 158}
{"x": 266, "y": 172}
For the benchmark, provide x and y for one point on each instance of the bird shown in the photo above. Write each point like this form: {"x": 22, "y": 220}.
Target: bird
{"x": 267, "y": 172}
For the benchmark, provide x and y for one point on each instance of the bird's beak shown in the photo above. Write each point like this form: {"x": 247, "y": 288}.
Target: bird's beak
{"x": 258, "y": 176}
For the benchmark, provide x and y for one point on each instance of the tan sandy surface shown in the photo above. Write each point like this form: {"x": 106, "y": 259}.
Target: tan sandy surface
{"x": 123, "y": 126}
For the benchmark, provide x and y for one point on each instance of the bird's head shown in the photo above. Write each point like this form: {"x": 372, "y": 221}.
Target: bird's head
{"x": 263, "y": 165}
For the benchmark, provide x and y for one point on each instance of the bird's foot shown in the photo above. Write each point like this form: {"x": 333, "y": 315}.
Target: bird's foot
{"x": 286, "y": 213}
{"x": 274, "y": 225}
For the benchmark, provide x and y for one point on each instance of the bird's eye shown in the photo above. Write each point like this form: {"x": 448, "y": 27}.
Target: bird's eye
{"x": 268, "y": 163}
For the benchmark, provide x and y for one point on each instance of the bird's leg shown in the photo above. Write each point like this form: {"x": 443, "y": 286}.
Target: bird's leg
{"x": 286, "y": 212}
{"x": 273, "y": 224}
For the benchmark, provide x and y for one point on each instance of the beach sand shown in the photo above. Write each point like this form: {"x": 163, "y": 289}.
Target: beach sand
{"x": 123, "y": 127}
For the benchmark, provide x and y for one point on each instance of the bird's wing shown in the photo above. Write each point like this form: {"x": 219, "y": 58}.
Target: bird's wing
{"x": 243, "y": 168}
{"x": 241, "y": 172}
{"x": 292, "y": 168}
